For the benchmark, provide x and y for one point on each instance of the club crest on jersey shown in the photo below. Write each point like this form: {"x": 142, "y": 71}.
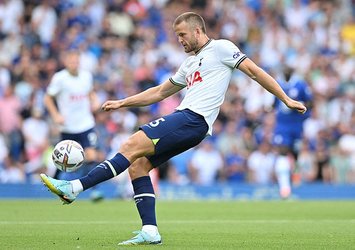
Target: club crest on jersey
{"x": 193, "y": 79}
{"x": 200, "y": 63}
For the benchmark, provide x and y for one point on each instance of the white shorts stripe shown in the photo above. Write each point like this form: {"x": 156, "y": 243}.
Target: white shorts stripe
{"x": 112, "y": 168}
{"x": 144, "y": 194}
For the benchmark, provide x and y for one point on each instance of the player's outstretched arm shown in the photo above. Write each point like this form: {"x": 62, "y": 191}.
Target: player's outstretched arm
{"x": 145, "y": 98}
{"x": 270, "y": 84}
{"x": 94, "y": 101}
{"x": 52, "y": 109}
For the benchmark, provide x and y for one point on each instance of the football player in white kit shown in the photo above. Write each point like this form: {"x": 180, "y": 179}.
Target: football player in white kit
{"x": 70, "y": 101}
{"x": 206, "y": 75}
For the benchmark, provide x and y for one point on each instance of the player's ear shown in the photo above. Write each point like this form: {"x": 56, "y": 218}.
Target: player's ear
{"x": 198, "y": 31}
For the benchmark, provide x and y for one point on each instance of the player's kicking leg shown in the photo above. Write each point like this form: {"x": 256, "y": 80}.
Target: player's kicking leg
{"x": 67, "y": 191}
{"x": 136, "y": 146}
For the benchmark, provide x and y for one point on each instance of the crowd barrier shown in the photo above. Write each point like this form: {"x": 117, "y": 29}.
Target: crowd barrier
{"x": 167, "y": 191}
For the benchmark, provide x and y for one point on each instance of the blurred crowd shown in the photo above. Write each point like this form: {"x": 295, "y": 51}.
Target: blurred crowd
{"x": 129, "y": 46}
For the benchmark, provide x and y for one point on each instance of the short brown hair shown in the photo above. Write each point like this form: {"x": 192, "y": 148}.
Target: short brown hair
{"x": 191, "y": 18}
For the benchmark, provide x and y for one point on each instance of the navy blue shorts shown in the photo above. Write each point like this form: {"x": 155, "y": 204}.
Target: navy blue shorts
{"x": 175, "y": 133}
{"x": 87, "y": 139}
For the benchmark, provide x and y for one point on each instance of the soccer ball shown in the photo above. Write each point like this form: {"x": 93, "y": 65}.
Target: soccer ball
{"x": 68, "y": 155}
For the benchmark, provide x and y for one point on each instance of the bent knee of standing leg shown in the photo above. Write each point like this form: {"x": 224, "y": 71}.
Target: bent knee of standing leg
{"x": 140, "y": 167}
{"x": 135, "y": 171}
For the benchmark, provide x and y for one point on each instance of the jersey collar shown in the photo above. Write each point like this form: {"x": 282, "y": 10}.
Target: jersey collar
{"x": 203, "y": 46}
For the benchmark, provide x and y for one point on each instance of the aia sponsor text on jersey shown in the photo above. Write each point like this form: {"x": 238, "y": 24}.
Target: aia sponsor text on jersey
{"x": 193, "y": 79}
{"x": 78, "y": 97}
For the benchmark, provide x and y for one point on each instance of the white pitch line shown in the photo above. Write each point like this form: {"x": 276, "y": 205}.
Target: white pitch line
{"x": 174, "y": 222}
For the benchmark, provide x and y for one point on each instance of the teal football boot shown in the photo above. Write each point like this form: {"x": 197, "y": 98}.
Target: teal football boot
{"x": 143, "y": 238}
{"x": 61, "y": 188}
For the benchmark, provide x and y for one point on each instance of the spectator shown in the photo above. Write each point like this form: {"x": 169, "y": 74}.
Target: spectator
{"x": 261, "y": 165}
{"x": 347, "y": 34}
{"x": 323, "y": 171}
{"x": 11, "y": 16}
{"x": 3, "y": 151}
{"x": 5, "y": 78}
{"x": 10, "y": 123}
{"x": 44, "y": 19}
{"x": 36, "y": 134}
{"x": 340, "y": 165}
{"x": 206, "y": 164}
{"x": 12, "y": 172}
{"x": 235, "y": 169}
{"x": 306, "y": 164}
{"x": 178, "y": 172}
{"x": 229, "y": 139}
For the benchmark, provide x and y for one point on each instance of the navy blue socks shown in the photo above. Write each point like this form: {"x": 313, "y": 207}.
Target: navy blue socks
{"x": 105, "y": 171}
{"x": 145, "y": 199}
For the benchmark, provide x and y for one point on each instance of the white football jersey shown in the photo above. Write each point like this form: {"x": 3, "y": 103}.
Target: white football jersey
{"x": 72, "y": 96}
{"x": 207, "y": 75}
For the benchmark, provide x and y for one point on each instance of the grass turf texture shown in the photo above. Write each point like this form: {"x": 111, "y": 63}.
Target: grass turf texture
{"x": 46, "y": 224}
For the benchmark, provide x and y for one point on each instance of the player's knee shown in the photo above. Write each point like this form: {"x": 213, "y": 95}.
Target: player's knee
{"x": 140, "y": 167}
{"x": 133, "y": 172}
{"x": 130, "y": 150}
{"x": 127, "y": 147}
{"x": 136, "y": 171}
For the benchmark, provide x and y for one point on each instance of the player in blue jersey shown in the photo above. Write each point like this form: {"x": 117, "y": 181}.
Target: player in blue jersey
{"x": 205, "y": 74}
{"x": 289, "y": 128}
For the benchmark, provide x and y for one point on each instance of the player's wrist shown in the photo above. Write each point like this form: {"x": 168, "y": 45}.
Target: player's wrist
{"x": 287, "y": 100}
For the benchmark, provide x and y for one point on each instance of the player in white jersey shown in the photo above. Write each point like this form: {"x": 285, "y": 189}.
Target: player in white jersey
{"x": 70, "y": 100}
{"x": 206, "y": 75}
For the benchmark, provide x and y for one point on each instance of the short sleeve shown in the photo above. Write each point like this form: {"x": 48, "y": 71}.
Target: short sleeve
{"x": 54, "y": 86}
{"x": 179, "y": 77}
{"x": 229, "y": 53}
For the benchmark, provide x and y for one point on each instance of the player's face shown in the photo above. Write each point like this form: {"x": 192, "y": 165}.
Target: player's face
{"x": 187, "y": 37}
{"x": 72, "y": 63}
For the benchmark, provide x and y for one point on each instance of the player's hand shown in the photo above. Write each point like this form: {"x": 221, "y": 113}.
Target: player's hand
{"x": 299, "y": 106}
{"x": 111, "y": 105}
{"x": 59, "y": 119}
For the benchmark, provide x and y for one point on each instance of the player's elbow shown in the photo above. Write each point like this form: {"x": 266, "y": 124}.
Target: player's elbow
{"x": 250, "y": 69}
{"x": 47, "y": 99}
{"x": 253, "y": 76}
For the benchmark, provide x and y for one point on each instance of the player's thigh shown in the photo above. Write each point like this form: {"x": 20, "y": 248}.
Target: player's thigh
{"x": 137, "y": 145}
{"x": 143, "y": 142}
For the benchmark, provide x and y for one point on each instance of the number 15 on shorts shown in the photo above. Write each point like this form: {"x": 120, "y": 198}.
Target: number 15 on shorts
{"x": 156, "y": 122}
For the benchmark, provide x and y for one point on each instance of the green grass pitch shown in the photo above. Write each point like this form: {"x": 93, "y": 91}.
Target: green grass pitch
{"x": 46, "y": 224}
